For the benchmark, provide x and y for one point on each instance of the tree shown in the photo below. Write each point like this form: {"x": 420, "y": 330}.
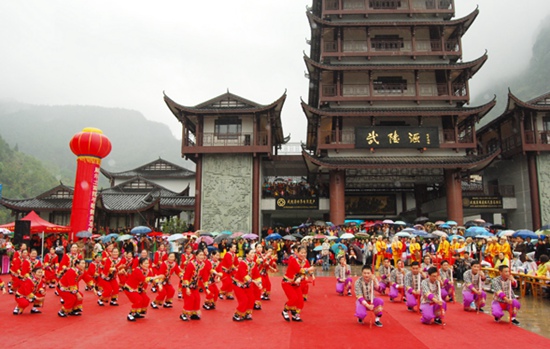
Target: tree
{"x": 174, "y": 226}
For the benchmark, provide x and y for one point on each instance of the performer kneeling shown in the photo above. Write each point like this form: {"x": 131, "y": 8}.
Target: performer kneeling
{"x": 31, "y": 291}
{"x": 472, "y": 290}
{"x": 504, "y": 295}
{"x": 432, "y": 305}
{"x": 364, "y": 290}
{"x": 385, "y": 275}
{"x": 412, "y": 285}
{"x": 446, "y": 273}
{"x": 343, "y": 277}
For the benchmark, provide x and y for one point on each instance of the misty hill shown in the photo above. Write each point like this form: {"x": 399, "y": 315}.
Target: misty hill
{"x": 527, "y": 84}
{"x": 45, "y": 131}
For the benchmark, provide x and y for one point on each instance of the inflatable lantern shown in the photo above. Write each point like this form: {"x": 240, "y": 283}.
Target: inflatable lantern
{"x": 90, "y": 146}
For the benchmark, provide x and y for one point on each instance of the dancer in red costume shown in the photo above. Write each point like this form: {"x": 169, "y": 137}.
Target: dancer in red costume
{"x": 158, "y": 258}
{"x": 68, "y": 289}
{"x": 192, "y": 275}
{"x": 125, "y": 267}
{"x": 93, "y": 273}
{"x": 269, "y": 265}
{"x": 108, "y": 279}
{"x": 229, "y": 265}
{"x": 51, "y": 263}
{"x": 186, "y": 257}
{"x": 214, "y": 270}
{"x": 31, "y": 291}
{"x": 136, "y": 288}
{"x": 246, "y": 281}
{"x": 291, "y": 283}
{"x": 15, "y": 268}
{"x": 165, "y": 295}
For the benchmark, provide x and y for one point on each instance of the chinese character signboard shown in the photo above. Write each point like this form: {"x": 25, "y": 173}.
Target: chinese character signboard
{"x": 297, "y": 203}
{"x": 396, "y": 137}
{"x": 482, "y": 202}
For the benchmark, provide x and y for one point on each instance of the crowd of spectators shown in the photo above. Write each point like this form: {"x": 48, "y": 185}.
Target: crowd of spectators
{"x": 293, "y": 188}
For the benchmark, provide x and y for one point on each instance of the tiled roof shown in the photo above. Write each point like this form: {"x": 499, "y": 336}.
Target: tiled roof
{"x": 156, "y": 169}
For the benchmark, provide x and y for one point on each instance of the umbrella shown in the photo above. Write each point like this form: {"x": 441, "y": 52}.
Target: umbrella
{"x": 542, "y": 232}
{"x": 155, "y": 233}
{"x": 439, "y": 222}
{"x": 361, "y": 235}
{"x": 479, "y": 221}
{"x": 237, "y": 235}
{"x": 439, "y": 233}
{"x": 250, "y": 236}
{"x": 358, "y": 252}
{"x": 298, "y": 235}
{"x": 95, "y": 236}
{"x": 289, "y": 238}
{"x": 124, "y": 237}
{"x": 336, "y": 247}
{"x": 176, "y": 237}
{"x": 304, "y": 225}
{"x": 421, "y": 219}
{"x": 444, "y": 226}
{"x": 347, "y": 236}
{"x": 140, "y": 229}
{"x": 319, "y": 236}
{"x": 319, "y": 223}
{"x": 469, "y": 224}
{"x": 506, "y": 233}
{"x": 318, "y": 248}
{"x": 418, "y": 226}
{"x": 226, "y": 232}
{"x": 399, "y": 223}
{"x": 221, "y": 237}
{"x": 84, "y": 234}
{"x": 481, "y": 236}
{"x": 307, "y": 237}
{"x": 403, "y": 234}
{"x": 332, "y": 237}
{"x": 215, "y": 233}
{"x": 200, "y": 231}
{"x": 211, "y": 248}
{"x": 204, "y": 233}
{"x": 387, "y": 221}
{"x": 525, "y": 233}
{"x": 451, "y": 223}
{"x": 5, "y": 231}
{"x": 207, "y": 239}
{"x": 473, "y": 231}
{"x": 460, "y": 237}
{"x": 421, "y": 233}
{"x": 273, "y": 236}
{"x": 107, "y": 238}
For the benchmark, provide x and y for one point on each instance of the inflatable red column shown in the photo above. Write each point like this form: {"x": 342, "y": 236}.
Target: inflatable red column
{"x": 90, "y": 146}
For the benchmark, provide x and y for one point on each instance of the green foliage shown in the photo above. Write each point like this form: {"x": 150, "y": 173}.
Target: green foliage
{"x": 174, "y": 226}
{"x": 22, "y": 177}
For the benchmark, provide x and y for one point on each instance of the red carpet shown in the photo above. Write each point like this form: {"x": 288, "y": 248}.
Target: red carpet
{"x": 328, "y": 323}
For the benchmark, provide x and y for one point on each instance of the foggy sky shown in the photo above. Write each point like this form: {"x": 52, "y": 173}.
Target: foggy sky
{"x": 126, "y": 53}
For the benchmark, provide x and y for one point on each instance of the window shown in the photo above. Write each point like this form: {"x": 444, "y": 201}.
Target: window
{"x": 546, "y": 123}
{"x": 228, "y": 128}
{"x": 387, "y": 42}
{"x": 385, "y": 4}
{"x": 390, "y": 85}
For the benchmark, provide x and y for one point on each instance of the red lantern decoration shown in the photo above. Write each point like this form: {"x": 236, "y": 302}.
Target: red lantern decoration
{"x": 90, "y": 146}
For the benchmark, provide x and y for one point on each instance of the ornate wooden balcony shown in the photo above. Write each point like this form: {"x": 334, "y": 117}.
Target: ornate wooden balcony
{"x": 366, "y": 7}
{"x": 456, "y": 140}
{"x": 210, "y": 142}
{"x": 368, "y": 92}
{"x": 361, "y": 48}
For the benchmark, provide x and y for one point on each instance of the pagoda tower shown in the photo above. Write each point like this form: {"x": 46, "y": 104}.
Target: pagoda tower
{"x": 387, "y": 123}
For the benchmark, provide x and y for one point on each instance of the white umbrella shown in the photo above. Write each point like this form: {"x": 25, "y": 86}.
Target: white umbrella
{"x": 439, "y": 233}
{"x": 5, "y": 231}
{"x": 387, "y": 221}
{"x": 307, "y": 237}
{"x": 176, "y": 237}
{"x": 399, "y": 223}
{"x": 506, "y": 233}
{"x": 403, "y": 234}
{"x": 332, "y": 237}
{"x": 347, "y": 236}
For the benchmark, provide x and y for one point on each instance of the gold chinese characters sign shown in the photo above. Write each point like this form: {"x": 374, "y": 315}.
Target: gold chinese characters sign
{"x": 297, "y": 203}
{"x": 396, "y": 137}
{"x": 482, "y": 202}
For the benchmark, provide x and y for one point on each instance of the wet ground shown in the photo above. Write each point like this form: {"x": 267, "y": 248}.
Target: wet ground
{"x": 533, "y": 314}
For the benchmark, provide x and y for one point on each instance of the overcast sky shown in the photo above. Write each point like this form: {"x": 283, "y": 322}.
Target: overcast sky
{"x": 126, "y": 53}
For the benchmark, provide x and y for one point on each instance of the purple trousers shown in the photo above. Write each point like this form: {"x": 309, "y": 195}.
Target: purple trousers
{"x": 361, "y": 310}
{"x": 447, "y": 290}
{"x": 469, "y": 297}
{"x": 430, "y": 311}
{"x": 341, "y": 286}
{"x": 382, "y": 285}
{"x": 412, "y": 300}
{"x": 394, "y": 291}
{"x": 498, "y": 308}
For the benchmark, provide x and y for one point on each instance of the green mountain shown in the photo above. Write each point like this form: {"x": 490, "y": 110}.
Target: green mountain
{"x": 45, "y": 132}
{"x": 21, "y": 176}
{"x": 527, "y": 84}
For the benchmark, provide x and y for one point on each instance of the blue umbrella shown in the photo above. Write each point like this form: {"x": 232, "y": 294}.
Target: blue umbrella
{"x": 108, "y": 238}
{"x": 460, "y": 237}
{"x": 226, "y": 232}
{"x": 318, "y": 248}
{"x": 273, "y": 236}
{"x": 451, "y": 223}
{"x": 525, "y": 233}
{"x": 84, "y": 234}
{"x": 140, "y": 229}
{"x": 419, "y": 232}
{"x": 445, "y": 226}
{"x": 474, "y": 231}
{"x": 337, "y": 246}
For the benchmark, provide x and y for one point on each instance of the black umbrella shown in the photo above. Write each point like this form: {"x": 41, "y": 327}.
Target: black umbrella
{"x": 421, "y": 220}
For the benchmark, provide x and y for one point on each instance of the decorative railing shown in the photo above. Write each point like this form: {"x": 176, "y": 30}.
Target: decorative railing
{"x": 381, "y": 5}
{"x": 449, "y": 136}
{"x": 541, "y": 137}
{"x": 389, "y": 89}
{"x": 211, "y": 139}
{"x": 392, "y": 46}
{"x": 338, "y": 137}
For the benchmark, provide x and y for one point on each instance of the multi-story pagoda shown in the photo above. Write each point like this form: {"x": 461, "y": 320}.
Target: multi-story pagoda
{"x": 387, "y": 125}
{"x": 228, "y": 138}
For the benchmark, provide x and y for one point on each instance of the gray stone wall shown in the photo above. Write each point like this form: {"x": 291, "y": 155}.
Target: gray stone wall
{"x": 227, "y": 192}
{"x": 543, "y": 168}
{"x": 514, "y": 172}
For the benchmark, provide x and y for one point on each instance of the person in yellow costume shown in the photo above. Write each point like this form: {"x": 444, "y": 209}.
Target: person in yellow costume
{"x": 495, "y": 250}
{"x": 455, "y": 246}
{"x": 380, "y": 251}
{"x": 505, "y": 248}
{"x": 415, "y": 250}
{"x": 396, "y": 247}
{"x": 444, "y": 248}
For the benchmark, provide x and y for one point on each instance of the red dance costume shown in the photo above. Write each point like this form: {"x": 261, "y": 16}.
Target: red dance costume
{"x": 108, "y": 281}
{"x": 31, "y": 291}
{"x": 192, "y": 275}
{"x": 270, "y": 264}
{"x": 15, "y": 272}
{"x": 51, "y": 263}
{"x": 93, "y": 272}
{"x": 124, "y": 269}
{"x": 158, "y": 259}
{"x": 136, "y": 291}
{"x": 68, "y": 290}
{"x": 212, "y": 270}
{"x": 244, "y": 279}
{"x": 229, "y": 265}
{"x": 291, "y": 283}
{"x": 185, "y": 259}
{"x": 166, "y": 295}
{"x": 305, "y": 282}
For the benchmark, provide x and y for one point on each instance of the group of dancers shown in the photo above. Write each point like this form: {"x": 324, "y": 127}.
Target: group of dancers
{"x": 426, "y": 289}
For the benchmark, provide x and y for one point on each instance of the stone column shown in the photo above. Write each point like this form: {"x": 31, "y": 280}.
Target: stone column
{"x": 534, "y": 190}
{"x": 454, "y": 196}
{"x": 256, "y": 195}
{"x": 337, "y": 196}
{"x": 198, "y": 191}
